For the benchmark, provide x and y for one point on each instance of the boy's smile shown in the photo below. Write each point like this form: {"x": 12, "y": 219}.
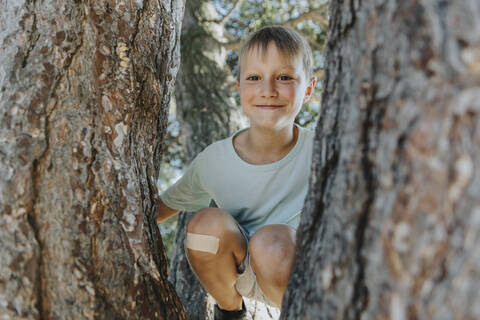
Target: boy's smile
{"x": 272, "y": 87}
{"x": 266, "y": 106}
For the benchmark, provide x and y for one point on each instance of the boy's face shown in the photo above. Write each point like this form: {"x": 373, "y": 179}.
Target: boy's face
{"x": 272, "y": 87}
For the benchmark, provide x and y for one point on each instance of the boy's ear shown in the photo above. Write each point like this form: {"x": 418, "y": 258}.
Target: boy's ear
{"x": 309, "y": 89}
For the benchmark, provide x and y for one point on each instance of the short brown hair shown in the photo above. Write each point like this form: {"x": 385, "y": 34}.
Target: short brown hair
{"x": 287, "y": 41}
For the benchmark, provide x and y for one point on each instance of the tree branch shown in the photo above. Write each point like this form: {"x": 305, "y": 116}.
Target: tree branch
{"x": 227, "y": 15}
{"x": 314, "y": 14}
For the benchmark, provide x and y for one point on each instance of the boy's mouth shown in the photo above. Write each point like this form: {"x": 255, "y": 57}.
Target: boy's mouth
{"x": 268, "y": 106}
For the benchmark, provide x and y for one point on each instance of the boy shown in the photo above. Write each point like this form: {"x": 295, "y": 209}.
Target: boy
{"x": 258, "y": 177}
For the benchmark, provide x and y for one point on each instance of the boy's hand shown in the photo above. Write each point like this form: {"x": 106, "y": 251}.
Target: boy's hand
{"x": 164, "y": 212}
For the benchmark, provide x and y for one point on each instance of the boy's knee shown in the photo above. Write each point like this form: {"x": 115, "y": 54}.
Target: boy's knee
{"x": 207, "y": 230}
{"x": 272, "y": 250}
{"x": 207, "y": 221}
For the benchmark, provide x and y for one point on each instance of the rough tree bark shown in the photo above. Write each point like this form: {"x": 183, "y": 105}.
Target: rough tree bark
{"x": 85, "y": 87}
{"x": 390, "y": 228}
{"x": 206, "y": 112}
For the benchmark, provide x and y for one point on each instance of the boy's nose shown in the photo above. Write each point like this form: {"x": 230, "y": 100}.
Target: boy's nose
{"x": 268, "y": 88}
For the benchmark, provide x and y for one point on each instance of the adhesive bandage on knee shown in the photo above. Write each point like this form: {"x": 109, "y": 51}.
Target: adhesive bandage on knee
{"x": 202, "y": 242}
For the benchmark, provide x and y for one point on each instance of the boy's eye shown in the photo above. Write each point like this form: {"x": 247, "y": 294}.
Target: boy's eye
{"x": 253, "y": 78}
{"x": 285, "y": 78}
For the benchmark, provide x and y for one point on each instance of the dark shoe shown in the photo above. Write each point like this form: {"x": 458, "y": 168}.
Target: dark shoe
{"x": 220, "y": 314}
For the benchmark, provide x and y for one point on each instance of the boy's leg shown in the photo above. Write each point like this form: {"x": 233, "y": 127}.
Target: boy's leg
{"x": 272, "y": 255}
{"x": 217, "y": 271}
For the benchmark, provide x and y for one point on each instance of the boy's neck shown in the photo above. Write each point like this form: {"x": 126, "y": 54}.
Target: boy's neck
{"x": 262, "y": 146}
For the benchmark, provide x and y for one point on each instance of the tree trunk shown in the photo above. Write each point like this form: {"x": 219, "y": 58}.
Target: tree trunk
{"x": 207, "y": 112}
{"x": 85, "y": 89}
{"x": 191, "y": 118}
{"x": 201, "y": 123}
{"x": 390, "y": 224}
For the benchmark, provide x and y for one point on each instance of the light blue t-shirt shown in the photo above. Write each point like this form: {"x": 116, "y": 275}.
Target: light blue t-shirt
{"x": 255, "y": 195}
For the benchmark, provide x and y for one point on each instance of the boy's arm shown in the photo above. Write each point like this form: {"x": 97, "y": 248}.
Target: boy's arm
{"x": 165, "y": 212}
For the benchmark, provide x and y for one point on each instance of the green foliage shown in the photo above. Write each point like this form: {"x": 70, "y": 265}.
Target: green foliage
{"x": 168, "y": 229}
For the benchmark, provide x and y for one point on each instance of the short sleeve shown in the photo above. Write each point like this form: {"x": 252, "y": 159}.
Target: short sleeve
{"x": 188, "y": 193}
